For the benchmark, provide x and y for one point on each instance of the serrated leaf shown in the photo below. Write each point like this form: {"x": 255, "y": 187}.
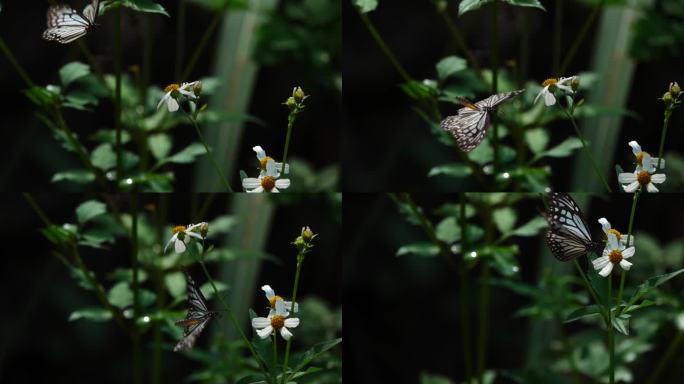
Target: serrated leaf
{"x": 120, "y": 295}
{"x": 471, "y": 5}
{"x": 88, "y": 210}
{"x": 419, "y": 249}
{"x": 537, "y": 139}
{"x": 80, "y": 176}
{"x": 531, "y": 228}
{"x": 454, "y": 170}
{"x": 565, "y": 148}
{"x": 103, "y": 157}
{"x": 504, "y": 218}
{"x": 621, "y": 324}
{"x": 147, "y": 6}
{"x": 187, "y": 155}
{"x": 450, "y": 65}
{"x": 73, "y": 71}
{"x": 526, "y": 3}
{"x": 580, "y": 313}
{"x": 92, "y": 314}
{"x": 160, "y": 145}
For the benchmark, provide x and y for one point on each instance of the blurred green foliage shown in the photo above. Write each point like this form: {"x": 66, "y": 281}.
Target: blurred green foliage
{"x": 659, "y": 32}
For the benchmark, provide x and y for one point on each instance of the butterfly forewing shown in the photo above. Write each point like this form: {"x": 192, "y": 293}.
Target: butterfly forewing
{"x": 470, "y": 126}
{"x": 568, "y": 236}
{"x": 196, "y": 319}
{"x": 65, "y": 24}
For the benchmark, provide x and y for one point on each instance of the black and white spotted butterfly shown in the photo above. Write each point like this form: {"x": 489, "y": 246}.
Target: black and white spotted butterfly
{"x": 568, "y": 236}
{"x": 64, "y": 24}
{"x": 197, "y": 318}
{"x": 470, "y": 125}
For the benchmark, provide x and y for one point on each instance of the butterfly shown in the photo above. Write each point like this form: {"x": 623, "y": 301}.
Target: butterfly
{"x": 197, "y": 318}
{"x": 470, "y": 125}
{"x": 65, "y": 24}
{"x": 568, "y": 236}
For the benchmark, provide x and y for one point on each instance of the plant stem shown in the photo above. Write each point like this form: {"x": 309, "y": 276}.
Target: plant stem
{"x": 611, "y": 333}
{"x": 592, "y": 292}
{"x": 632, "y": 212}
{"x": 275, "y": 350}
{"x": 483, "y": 321}
{"x": 218, "y": 16}
{"x": 300, "y": 260}
{"x": 137, "y": 361}
{"x": 383, "y": 46}
{"x": 464, "y": 287}
{"x": 581, "y": 36}
{"x": 586, "y": 148}
{"x": 209, "y": 154}
{"x": 495, "y": 68}
{"x": 666, "y": 121}
{"x": 665, "y": 360}
{"x": 180, "y": 35}
{"x": 117, "y": 94}
{"x": 458, "y": 39}
{"x": 13, "y": 61}
{"x": 557, "y": 37}
{"x": 291, "y": 118}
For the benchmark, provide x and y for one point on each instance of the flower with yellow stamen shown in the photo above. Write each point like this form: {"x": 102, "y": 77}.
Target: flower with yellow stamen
{"x": 263, "y": 160}
{"x": 182, "y": 235}
{"x": 173, "y": 92}
{"x": 273, "y": 298}
{"x": 608, "y": 229}
{"x": 614, "y": 253}
{"x": 639, "y": 154}
{"x": 268, "y": 182}
{"x": 277, "y": 321}
{"x": 551, "y": 85}
{"x": 643, "y": 177}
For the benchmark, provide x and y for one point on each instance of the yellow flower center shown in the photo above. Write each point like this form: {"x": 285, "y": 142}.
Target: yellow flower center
{"x": 550, "y": 83}
{"x": 273, "y": 300}
{"x": 268, "y": 183}
{"x": 644, "y": 177}
{"x": 615, "y": 232}
{"x": 171, "y": 88}
{"x": 615, "y": 256}
{"x": 262, "y": 162}
{"x": 640, "y": 156}
{"x": 277, "y": 322}
{"x": 178, "y": 228}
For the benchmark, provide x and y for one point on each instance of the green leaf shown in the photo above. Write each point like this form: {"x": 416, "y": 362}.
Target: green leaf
{"x": 503, "y": 259}
{"x": 147, "y": 6}
{"x": 504, "y": 218}
{"x": 58, "y": 235}
{"x": 41, "y": 96}
{"x": 73, "y": 71}
{"x": 160, "y": 145}
{"x": 80, "y": 176}
{"x": 366, "y": 6}
{"x": 450, "y": 65}
{"x": 651, "y": 283}
{"x": 208, "y": 290}
{"x": 426, "y": 378}
{"x": 537, "y": 139}
{"x": 96, "y": 238}
{"x": 92, "y": 314}
{"x": 526, "y": 3}
{"x": 314, "y": 352}
{"x": 565, "y": 148}
{"x": 448, "y": 230}
{"x": 103, "y": 157}
{"x": 187, "y": 155}
{"x": 471, "y": 5}
{"x": 89, "y": 210}
{"x": 419, "y": 249}
{"x": 621, "y": 323}
{"x": 454, "y": 170}
{"x": 175, "y": 283}
{"x": 419, "y": 91}
{"x": 80, "y": 100}
{"x": 580, "y": 313}
{"x": 120, "y": 295}
{"x": 531, "y": 228}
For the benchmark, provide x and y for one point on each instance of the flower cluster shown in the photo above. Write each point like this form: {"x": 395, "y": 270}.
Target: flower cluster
{"x": 174, "y": 93}
{"x": 278, "y": 319}
{"x": 269, "y": 175}
{"x": 182, "y": 235}
{"x": 644, "y": 175}
{"x": 567, "y": 85}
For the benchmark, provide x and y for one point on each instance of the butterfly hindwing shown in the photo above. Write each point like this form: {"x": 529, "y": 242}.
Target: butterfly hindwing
{"x": 470, "y": 126}
{"x": 568, "y": 236}
{"x": 64, "y": 24}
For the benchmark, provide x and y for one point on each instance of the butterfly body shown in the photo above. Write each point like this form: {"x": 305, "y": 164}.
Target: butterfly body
{"x": 568, "y": 236}
{"x": 197, "y": 318}
{"x": 470, "y": 126}
{"x": 64, "y": 24}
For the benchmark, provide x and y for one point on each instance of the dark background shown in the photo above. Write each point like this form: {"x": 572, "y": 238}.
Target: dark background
{"x": 402, "y": 313}
{"x": 39, "y": 344}
{"x": 388, "y": 147}
{"x": 32, "y": 155}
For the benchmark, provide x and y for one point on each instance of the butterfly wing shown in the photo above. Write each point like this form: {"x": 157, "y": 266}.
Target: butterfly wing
{"x": 91, "y": 10}
{"x": 196, "y": 299}
{"x": 568, "y": 236}
{"x": 65, "y": 25}
{"x": 494, "y": 101}
{"x": 191, "y": 334}
{"x": 197, "y": 317}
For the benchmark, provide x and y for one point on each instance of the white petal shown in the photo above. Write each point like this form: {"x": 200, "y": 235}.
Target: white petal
{"x": 180, "y": 246}
{"x": 268, "y": 291}
{"x": 250, "y": 182}
{"x": 612, "y": 241}
{"x": 288, "y": 306}
{"x": 651, "y": 188}
{"x": 292, "y": 322}
{"x": 172, "y": 104}
{"x": 629, "y": 252}
{"x": 173, "y": 238}
{"x": 564, "y": 88}
{"x": 271, "y": 169}
{"x": 266, "y": 332}
{"x": 625, "y": 178}
{"x": 275, "y": 190}
{"x": 260, "y": 153}
{"x": 549, "y": 99}
{"x": 662, "y": 162}
{"x": 280, "y": 308}
{"x": 282, "y": 183}
{"x": 658, "y": 178}
{"x": 258, "y": 189}
{"x": 285, "y": 333}
{"x": 260, "y": 322}
{"x": 624, "y": 238}
{"x": 606, "y": 270}
{"x": 193, "y": 234}
{"x": 647, "y": 163}
{"x": 187, "y": 93}
{"x": 604, "y": 224}
{"x": 600, "y": 262}
{"x": 163, "y": 99}
{"x": 631, "y": 187}
{"x": 539, "y": 94}
{"x": 625, "y": 265}
{"x": 636, "y": 148}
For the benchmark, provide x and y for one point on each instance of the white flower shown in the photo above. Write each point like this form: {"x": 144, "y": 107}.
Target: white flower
{"x": 182, "y": 234}
{"x": 170, "y": 100}
{"x": 639, "y": 154}
{"x": 614, "y": 253}
{"x": 273, "y": 298}
{"x": 607, "y": 229}
{"x": 268, "y": 182}
{"x": 276, "y": 321}
{"x": 550, "y": 85}
{"x": 263, "y": 160}
{"x": 643, "y": 176}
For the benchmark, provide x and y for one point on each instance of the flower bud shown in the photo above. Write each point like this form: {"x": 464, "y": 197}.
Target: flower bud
{"x": 291, "y": 103}
{"x": 307, "y": 234}
{"x": 667, "y": 98}
{"x": 674, "y": 89}
{"x": 574, "y": 83}
{"x": 204, "y": 229}
{"x": 197, "y": 88}
{"x": 298, "y": 94}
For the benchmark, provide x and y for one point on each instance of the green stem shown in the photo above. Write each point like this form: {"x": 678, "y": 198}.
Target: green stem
{"x": 483, "y": 319}
{"x": 592, "y": 292}
{"x": 665, "y": 360}
{"x": 180, "y": 35}
{"x": 458, "y": 39}
{"x": 231, "y": 316}
{"x": 464, "y": 291}
{"x": 557, "y": 37}
{"x": 586, "y": 148}
{"x": 611, "y": 333}
{"x": 663, "y": 134}
{"x": 117, "y": 93}
{"x": 137, "y": 360}
{"x": 209, "y": 154}
{"x": 13, "y": 61}
{"x": 218, "y": 16}
{"x": 588, "y": 22}
{"x": 300, "y": 260}
{"x": 275, "y": 350}
{"x": 383, "y": 46}
{"x": 290, "y": 124}
{"x": 632, "y": 212}
{"x": 495, "y": 68}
